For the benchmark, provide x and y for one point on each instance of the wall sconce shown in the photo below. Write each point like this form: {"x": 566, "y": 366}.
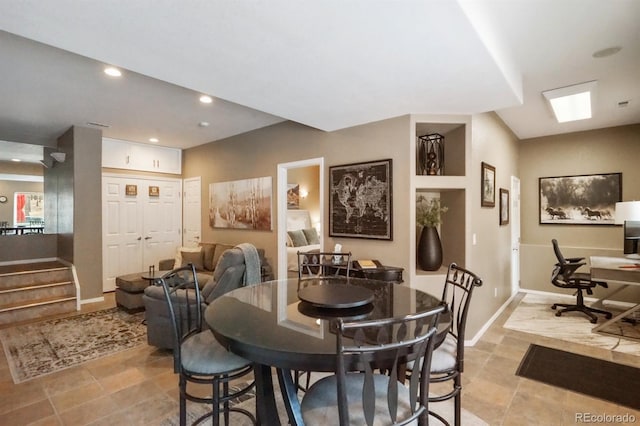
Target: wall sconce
{"x": 303, "y": 193}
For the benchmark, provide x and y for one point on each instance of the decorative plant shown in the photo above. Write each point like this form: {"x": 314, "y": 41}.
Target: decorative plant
{"x": 429, "y": 211}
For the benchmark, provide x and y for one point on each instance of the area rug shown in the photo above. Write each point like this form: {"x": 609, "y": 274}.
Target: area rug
{"x": 534, "y": 315}
{"x": 34, "y": 350}
{"x": 606, "y": 380}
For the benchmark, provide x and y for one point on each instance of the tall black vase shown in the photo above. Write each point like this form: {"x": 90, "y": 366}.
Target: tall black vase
{"x": 429, "y": 249}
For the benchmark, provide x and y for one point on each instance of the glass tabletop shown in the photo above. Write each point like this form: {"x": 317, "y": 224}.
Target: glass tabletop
{"x": 267, "y": 323}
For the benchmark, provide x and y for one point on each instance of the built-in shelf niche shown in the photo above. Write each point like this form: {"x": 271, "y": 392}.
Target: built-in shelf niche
{"x": 452, "y": 230}
{"x": 454, "y": 146}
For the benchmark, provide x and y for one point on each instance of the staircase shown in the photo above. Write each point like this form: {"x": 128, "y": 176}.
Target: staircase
{"x": 35, "y": 290}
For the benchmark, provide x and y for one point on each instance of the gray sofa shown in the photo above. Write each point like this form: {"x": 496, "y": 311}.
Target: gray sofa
{"x": 227, "y": 275}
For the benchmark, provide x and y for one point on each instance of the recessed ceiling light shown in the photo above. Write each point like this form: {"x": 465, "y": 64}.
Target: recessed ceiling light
{"x": 571, "y": 103}
{"x": 203, "y": 124}
{"x": 113, "y": 72}
{"x": 154, "y": 140}
{"x": 206, "y": 99}
{"x": 17, "y": 160}
{"x": 603, "y": 53}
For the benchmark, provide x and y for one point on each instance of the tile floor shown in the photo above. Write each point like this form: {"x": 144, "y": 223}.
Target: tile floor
{"x": 138, "y": 387}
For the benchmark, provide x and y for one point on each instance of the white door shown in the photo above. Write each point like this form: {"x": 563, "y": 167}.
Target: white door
{"x": 161, "y": 224}
{"x": 122, "y": 246}
{"x": 515, "y": 234}
{"x": 141, "y": 228}
{"x": 191, "y": 212}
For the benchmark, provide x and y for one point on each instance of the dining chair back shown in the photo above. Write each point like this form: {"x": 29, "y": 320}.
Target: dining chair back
{"x": 358, "y": 393}
{"x": 198, "y": 357}
{"x": 448, "y": 357}
{"x": 317, "y": 264}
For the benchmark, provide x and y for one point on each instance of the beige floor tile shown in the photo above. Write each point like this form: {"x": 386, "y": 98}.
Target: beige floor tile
{"x": 29, "y": 413}
{"x": 89, "y": 412}
{"x": 63, "y": 401}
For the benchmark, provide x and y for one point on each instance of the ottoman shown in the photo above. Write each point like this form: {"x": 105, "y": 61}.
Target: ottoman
{"x": 129, "y": 291}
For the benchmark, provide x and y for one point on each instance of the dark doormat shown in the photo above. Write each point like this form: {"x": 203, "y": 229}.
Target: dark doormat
{"x": 606, "y": 380}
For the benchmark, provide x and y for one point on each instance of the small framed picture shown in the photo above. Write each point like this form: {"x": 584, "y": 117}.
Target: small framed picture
{"x": 504, "y": 206}
{"x": 154, "y": 191}
{"x": 131, "y": 190}
{"x": 488, "y": 185}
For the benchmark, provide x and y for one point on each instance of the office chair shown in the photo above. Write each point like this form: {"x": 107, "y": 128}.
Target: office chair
{"x": 564, "y": 275}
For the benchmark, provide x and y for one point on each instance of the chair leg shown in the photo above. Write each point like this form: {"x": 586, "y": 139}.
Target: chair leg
{"x": 225, "y": 393}
{"x": 215, "y": 416}
{"x": 458, "y": 401}
{"x": 183, "y": 401}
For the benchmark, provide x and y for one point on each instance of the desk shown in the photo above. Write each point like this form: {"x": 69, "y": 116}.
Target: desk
{"x": 264, "y": 323}
{"x": 617, "y": 269}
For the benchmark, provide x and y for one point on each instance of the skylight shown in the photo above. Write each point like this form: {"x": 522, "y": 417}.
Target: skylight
{"x": 571, "y": 103}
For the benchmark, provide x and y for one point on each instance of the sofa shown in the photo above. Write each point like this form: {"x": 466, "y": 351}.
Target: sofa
{"x": 227, "y": 274}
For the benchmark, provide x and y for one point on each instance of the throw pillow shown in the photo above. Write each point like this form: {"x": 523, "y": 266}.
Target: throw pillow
{"x": 298, "y": 238}
{"x": 311, "y": 235}
{"x": 177, "y": 262}
{"x": 193, "y": 257}
{"x": 208, "y": 250}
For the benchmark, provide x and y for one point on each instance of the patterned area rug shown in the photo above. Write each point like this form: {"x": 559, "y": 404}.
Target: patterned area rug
{"x": 45, "y": 347}
{"x": 534, "y": 315}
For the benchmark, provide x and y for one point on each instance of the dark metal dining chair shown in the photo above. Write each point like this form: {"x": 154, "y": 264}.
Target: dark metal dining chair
{"x": 358, "y": 393}
{"x": 448, "y": 358}
{"x": 197, "y": 355}
{"x": 317, "y": 264}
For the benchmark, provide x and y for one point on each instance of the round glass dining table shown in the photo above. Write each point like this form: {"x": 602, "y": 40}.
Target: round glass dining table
{"x": 268, "y": 324}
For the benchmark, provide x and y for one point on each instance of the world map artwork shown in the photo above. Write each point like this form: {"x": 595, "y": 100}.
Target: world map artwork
{"x": 361, "y": 200}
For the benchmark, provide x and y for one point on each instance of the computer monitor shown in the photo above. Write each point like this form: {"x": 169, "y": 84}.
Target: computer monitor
{"x": 631, "y": 238}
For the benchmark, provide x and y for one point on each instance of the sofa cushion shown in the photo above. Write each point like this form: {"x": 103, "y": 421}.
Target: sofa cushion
{"x": 178, "y": 259}
{"x": 193, "y": 257}
{"x": 208, "y": 252}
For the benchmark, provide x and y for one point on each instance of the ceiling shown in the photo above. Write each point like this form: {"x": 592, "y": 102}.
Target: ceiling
{"x": 329, "y": 65}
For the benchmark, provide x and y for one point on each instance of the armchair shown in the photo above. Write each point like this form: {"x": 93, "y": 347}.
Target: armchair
{"x": 228, "y": 274}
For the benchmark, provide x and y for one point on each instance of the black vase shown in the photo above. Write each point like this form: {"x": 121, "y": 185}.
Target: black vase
{"x": 429, "y": 249}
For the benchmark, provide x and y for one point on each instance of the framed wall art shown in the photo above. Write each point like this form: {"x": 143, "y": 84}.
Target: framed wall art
{"x": 579, "y": 200}
{"x": 504, "y": 206}
{"x": 293, "y": 196}
{"x": 360, "y": 200}
{"x": 241, "y": 204}
{"x": 488, "y": 185}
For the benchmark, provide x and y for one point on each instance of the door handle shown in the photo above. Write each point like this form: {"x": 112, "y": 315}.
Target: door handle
{"x": 147, "y": 238}
{"x": 139, "y": 238}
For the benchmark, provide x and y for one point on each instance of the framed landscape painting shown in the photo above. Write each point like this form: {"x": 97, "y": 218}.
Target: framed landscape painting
{"x": 504, "y": 206}
{"x": 579, "y": 200}
{"x": 241, "y": 204}
{"x": 360, "y": 200}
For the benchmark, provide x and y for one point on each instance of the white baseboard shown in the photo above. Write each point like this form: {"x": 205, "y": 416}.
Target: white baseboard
{"x": 488, "y": 324}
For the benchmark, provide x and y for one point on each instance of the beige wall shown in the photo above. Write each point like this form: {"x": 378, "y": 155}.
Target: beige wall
{"x": 494, "y": 143}
{"x": 308, "y": 178}
{"x": 610, "y": 150}
{"x": 257, "y": 154}
{"x": 79, "y": 206}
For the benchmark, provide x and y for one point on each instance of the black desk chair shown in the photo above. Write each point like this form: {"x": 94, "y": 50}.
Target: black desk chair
{"x": 564, "y": 275}
{"x": 358, "y": 394}
{"x": 197, "y": 355}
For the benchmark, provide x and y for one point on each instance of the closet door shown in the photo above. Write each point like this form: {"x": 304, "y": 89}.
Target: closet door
{"x": 122, "y": 216}
{"x": 141, "y": 226}
{"x": 162, "y": 223}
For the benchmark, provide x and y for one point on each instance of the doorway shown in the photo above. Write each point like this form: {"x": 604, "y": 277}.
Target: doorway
{"x": 515, "y": 235}
{"x": 284, "y": 170}
{"x": 192, "y": 212}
